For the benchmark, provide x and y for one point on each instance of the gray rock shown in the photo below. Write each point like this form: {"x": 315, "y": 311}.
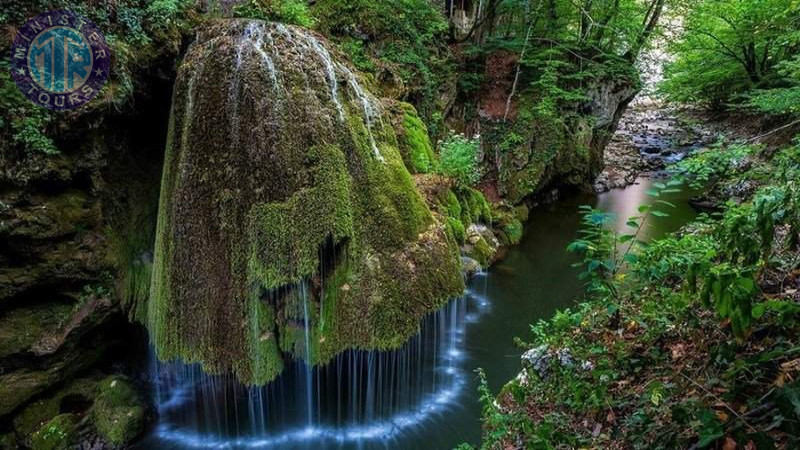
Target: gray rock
{"x": 469, "y": 266}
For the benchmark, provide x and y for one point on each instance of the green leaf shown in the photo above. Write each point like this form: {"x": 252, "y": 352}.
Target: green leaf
{"x": 660, "y": 214}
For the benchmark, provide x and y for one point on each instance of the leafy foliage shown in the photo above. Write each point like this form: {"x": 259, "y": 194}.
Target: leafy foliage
{"x": 605, "y": 251}
{"x": 294, "y": 12}
{"x": 458, "y": 159}
{"x": 708, "y": 164}
{"x": 730, "y": 47}
{"x": 697, "y": 348}
{"x": 404, "y": 37}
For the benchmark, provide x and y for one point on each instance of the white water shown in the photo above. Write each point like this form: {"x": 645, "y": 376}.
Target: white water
{"x": 368, "y": 398}
{"x": 310, "y": 47}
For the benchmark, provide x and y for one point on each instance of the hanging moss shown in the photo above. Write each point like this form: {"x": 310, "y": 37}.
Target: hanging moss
{"x": 277, "y": 182}
{"x": 414, "y": 141}
{"x": 286, "y": 236}
{"x": 474, "y": 207}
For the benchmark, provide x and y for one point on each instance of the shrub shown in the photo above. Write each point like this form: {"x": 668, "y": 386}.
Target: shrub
{"x": 458, "y": 159}
{"x": 293, "y": 12}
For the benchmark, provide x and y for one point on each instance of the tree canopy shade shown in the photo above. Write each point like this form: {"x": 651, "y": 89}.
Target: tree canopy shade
{"x": 730, "y": 47}
{"x": 619, "y": 27}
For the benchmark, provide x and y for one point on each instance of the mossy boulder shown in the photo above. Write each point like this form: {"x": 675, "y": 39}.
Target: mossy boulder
{"x": 119, "y": 414}
{"x": 545, "y": 146}
{"x": 76, "y": 398}
{"x": 412, "y": 138}
{"x": 60, "y": 433}
{"x": 481, "y": 245}
{"x": 285, "y": 200}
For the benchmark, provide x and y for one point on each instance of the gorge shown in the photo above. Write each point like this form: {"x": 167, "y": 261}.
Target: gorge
{"x": 415, "y": 224}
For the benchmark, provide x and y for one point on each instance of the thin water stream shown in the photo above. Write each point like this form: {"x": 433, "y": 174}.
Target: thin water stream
{"x": 422, "y": 396}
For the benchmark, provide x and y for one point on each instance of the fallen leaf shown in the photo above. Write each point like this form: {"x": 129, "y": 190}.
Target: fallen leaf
{"x": 729, "y": 444}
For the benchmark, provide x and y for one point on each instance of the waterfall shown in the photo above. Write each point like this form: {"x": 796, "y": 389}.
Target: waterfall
{"x": 368, "y": 397}
{"x": 249, "y": 161}
{"x": 309, "y": 362}
{"x": 311, "y": 47}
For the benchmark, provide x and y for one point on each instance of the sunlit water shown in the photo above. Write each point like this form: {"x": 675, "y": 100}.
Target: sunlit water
{"x": 423, "y": 396}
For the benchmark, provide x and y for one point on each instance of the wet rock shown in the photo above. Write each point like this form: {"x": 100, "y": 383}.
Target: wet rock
{"x": 537, "y": 359}
{"x": 647, "y": 140}
{"x": 60, "y": 433}
{"x": 481, "y": 244}
{"x": 470, "y": 266}
{"x": 119, "y": 414}
{"x": 76, "y": 397}
{"x": 42, "y": 345}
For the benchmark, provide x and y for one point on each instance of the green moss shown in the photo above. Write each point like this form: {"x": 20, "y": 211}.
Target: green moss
{"x": 414, "y": 141}
{"x": 34, "y": 415}
{"x": 118, "y": 413}
{"x": 250, "y": 220}
{"x": 513, "y": 231}
{"x": 456, "y": 229}
{"x": 23, "y": 327}
{"x": 522, "y": 212}
{"x": 474, "y": 207}
{"x": 480, "y": 251}
{"x": 285, "y": 237}
{"x": 60, "y": 433}
{"x": 527, "y": 149}
{"x": 265, "y": 362}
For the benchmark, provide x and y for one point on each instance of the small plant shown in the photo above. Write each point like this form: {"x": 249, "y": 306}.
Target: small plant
{"x": 458, "y": 159}
{"x": 605, "y": 251}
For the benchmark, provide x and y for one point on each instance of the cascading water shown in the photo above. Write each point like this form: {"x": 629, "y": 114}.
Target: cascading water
{"x": 369, "y": 398}
{"x": 269, "y": 165}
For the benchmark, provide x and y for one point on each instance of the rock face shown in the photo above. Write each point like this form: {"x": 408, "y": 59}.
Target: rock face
{"x": 289, "y": 226}
{"x": 530, "y": 144}
{"x": 542, "y": 149}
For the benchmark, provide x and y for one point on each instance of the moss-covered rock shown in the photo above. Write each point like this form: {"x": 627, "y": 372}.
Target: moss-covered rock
{"x": 60, "y": 433}
{"x": 545, "y": 146}
{"x": 21, "y": 328}
{"x": 76, "y": 397}
{"x": 482, "y": 244}
{"x": 413, "y": 140}
{"x": 285, "y": 201}
{"x": 119, "y": 414}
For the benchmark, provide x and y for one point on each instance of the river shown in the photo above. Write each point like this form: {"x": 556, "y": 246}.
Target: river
{"x": 423, "y": 396}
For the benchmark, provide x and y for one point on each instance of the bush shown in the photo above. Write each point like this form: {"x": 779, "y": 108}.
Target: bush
{"x": 293, "y": 12}
{"x": 458, "y": 159}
